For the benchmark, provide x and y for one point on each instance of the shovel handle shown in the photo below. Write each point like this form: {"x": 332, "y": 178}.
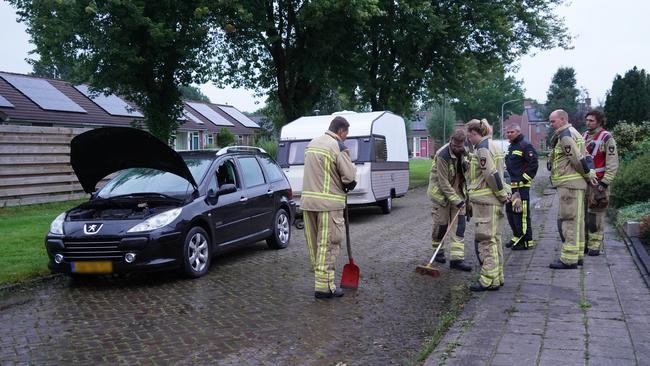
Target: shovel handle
{"x": 347, "y": 231}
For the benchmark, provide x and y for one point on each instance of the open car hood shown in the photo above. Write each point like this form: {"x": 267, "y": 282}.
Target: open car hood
{"x": 97, "y": 153}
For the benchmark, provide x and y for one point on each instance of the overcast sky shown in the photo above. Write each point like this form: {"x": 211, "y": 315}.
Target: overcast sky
{"x": 610, "y": 37}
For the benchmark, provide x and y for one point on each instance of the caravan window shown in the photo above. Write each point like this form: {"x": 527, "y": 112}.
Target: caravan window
{"x": 381, "y": 152}
{"x": 297, "y": 151}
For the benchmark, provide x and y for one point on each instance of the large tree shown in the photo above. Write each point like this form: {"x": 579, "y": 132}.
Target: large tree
{"x": 440, "y": 124}
{"x": 385, "y": 53}
{"x": 562, "y": 93}
{"x": 484, "y": 93}
{"x": 629, "y": 98}
{"x": 142, "y": 50}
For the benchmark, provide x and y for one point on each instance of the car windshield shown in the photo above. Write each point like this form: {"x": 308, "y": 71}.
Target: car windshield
{"x": 146, "y": 180}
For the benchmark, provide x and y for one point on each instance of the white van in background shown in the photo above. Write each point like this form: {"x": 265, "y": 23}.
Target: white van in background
{"x": 378, "y": 148}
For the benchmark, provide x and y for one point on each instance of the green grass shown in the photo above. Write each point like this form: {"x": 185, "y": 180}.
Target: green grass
{"x": 23, "y": 231}
{"x": 419, "y": 170}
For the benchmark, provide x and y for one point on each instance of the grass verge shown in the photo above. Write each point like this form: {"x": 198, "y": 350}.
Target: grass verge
{"x": 23, "y": 229}
{"x": 459, "y": 296}
{"x": 419, "y": 170}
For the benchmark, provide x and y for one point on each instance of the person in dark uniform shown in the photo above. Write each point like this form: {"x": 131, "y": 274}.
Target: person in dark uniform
{"x": 521, "y": 163}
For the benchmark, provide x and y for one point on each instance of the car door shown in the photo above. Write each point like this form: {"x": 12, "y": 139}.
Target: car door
{"x": 259, "y": 206}
{"x": 228, "y": 214}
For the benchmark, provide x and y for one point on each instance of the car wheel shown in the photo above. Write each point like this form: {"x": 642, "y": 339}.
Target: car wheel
{"x": 279, "y": 239}
{"x": 386, "y": 205}
{"x": 196, "y": 253}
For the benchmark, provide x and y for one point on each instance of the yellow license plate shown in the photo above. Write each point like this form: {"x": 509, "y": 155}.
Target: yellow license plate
{"x": 92, "y": 267}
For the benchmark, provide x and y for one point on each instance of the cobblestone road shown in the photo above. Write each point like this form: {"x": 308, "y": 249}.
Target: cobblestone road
{"x": 255, "y": 306}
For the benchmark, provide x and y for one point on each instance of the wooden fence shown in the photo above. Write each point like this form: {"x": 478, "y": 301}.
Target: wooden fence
{"x": 35, "y": 165}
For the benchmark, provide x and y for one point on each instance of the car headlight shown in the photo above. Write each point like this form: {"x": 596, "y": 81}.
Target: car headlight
{"x": 56, "y": 227}
{"x": 156, "y": 222}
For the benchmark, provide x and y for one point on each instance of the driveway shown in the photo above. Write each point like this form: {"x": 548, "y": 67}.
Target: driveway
{"x": 255, "y": 306}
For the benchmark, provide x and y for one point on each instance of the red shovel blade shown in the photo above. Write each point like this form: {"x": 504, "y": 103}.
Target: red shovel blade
{"x": 350, "y": 275}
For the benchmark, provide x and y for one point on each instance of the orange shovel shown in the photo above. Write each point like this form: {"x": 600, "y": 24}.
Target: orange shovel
{"x": 350, "y": 275}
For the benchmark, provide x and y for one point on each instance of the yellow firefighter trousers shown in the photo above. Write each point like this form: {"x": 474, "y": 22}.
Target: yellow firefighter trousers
{"x": 571, "y": 224}
{"x": 488, "y": 221}
{"x": 441, "y": 217}
{"x": 324, "y": 232}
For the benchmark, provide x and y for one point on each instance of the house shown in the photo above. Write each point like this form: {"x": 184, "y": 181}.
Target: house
{"x": 34, "y": 101}
{"x": 420, "y": 144}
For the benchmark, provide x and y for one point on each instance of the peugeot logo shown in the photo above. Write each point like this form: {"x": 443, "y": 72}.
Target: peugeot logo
{"x": 93, "y": 228}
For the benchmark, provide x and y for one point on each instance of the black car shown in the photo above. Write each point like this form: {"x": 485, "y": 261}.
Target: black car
{"x": 165, "y": 209}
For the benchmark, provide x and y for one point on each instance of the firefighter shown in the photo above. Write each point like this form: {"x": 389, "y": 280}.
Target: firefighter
{"x": 447, "y": 193}
{"x": 602, "y": 148}
{"x": 329, "y": 175}
{"x": 571, "y": 172}
{"x": 521, "y": 162}
{"x": 487, "y": 191}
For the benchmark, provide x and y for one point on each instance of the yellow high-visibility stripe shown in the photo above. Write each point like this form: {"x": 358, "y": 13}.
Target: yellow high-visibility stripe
{"x": 524, "y": 217}
{"x": 518, "y": 152}
{"x": 480, "y": 192}
{"x": 326, "y": 196}
{"x": 567, "y": 177}
{"x": 527, "y": 177}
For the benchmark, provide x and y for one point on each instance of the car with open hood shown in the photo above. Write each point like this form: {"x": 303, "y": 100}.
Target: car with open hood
{"x": 164, "y": 209}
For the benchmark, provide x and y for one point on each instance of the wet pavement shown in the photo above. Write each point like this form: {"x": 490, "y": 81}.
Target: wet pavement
{"x": 254, "y": 307}
{"x": 597, "y": 314}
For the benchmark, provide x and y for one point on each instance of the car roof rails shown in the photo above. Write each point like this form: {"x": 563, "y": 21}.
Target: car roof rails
{"x": 231, "y": 149}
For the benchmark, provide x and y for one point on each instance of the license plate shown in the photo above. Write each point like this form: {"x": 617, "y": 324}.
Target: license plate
{"x": 92, "y": 267}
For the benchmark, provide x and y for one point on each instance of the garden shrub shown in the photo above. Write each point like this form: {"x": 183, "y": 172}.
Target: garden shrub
{"x": 631, "y": 184}
{"x": 635, "y": 212}
{"x": 631, "y": 140}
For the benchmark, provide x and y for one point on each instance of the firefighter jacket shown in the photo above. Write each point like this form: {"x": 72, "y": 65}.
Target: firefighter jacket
{"x": 602, "y": 147}
{"x": 485, "y": 176}
{"x": 569, "y": 166}
{"x": 327, "y": 168}
{"x": 447, "y": 180}
{"x": 521, "y": 162}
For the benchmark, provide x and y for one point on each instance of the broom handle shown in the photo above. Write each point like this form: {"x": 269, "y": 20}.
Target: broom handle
{"x": 443, "y": 237}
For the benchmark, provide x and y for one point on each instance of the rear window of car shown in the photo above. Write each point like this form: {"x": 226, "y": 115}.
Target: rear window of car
{"x": 272, "y": 169}
{"x": 251, "y": 171}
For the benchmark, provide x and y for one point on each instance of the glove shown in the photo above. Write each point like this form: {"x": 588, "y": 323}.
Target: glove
{"x": 460, "y": 204}
{"x": 349, "y": 186}
{"x": 516, "y": 202}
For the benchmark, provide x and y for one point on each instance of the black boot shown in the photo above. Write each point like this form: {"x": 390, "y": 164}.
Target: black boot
{"x": 580, "y": 262}
{"x": 460, "y": 265}
{"x": 477, "y": 287}
{"x": 440, "y": 258}
{"x": 594, "y": 252}
{"x": 560, "y": 265}
{"x": 510, "y": 243}
{"x": 329, "y": 294}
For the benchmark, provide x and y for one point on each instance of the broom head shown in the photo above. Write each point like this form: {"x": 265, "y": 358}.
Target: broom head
{"x": 428, "y": 269}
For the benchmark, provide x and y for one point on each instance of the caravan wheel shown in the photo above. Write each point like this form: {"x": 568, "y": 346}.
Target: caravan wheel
{"x": 386, "y": 205}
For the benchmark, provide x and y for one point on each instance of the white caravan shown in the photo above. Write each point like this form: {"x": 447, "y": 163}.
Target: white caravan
{"x": 378, "y": 148}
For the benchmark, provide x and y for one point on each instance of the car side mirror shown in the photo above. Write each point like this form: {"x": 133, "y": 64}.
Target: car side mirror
{"x": 226, "y": 188}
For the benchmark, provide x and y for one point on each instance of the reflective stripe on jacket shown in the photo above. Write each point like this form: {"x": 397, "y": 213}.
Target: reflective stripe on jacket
{"x": 327, "y": 167}
{"x": 568, "y": 168}
{"x": 601, "y": 145}
{"x": 485, "y": 176}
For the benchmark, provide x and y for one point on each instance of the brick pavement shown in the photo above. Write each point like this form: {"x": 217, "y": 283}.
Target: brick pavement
{"x": 596, "y": 315}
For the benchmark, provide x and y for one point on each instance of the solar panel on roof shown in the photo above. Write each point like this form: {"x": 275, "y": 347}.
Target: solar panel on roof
{"x": 191, "y": 116}
{"x": 43, "y": 93}
{"x": 4, "y": 102}
{"x": 239, "y": 116}
{"x": 210, "y": 114}
{"x": 111, "y": 103}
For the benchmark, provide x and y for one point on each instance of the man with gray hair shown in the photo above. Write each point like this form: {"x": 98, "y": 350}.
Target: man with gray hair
{"x": 521, "y": 162}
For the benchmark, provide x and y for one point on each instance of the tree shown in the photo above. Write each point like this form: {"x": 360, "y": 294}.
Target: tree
{"x": 483, "y": 94}
{"x": 629, "y": 98}
{"x": 141, "y": 50}
{"x": 443, "y": 118}
{"x": 225, "y": 138}
{"x": 381, "y": 54}
{"x": 562, "y": 93}
{"x": 189, "y": 92}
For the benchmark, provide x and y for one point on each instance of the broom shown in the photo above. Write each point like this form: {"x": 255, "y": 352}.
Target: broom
{"x": 429, "y": 269}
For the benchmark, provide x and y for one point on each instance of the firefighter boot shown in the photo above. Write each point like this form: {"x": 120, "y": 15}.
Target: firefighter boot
{"x": 460, "y": 265}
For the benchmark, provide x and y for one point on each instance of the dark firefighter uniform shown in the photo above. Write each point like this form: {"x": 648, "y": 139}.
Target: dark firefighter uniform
{"x": 487, "y": 191}
{"x": 602, "y": 147}
{"x": 327, "y": 169}
{"x": 571, "y": 172}
{"x": 447, "y": 191}
{"x": 521, "y": 163}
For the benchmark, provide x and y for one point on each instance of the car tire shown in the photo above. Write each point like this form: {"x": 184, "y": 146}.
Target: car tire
{"x": 196, "y": 253}
{"x": 281, "y": 230}
{"x": 386, "y": 205}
